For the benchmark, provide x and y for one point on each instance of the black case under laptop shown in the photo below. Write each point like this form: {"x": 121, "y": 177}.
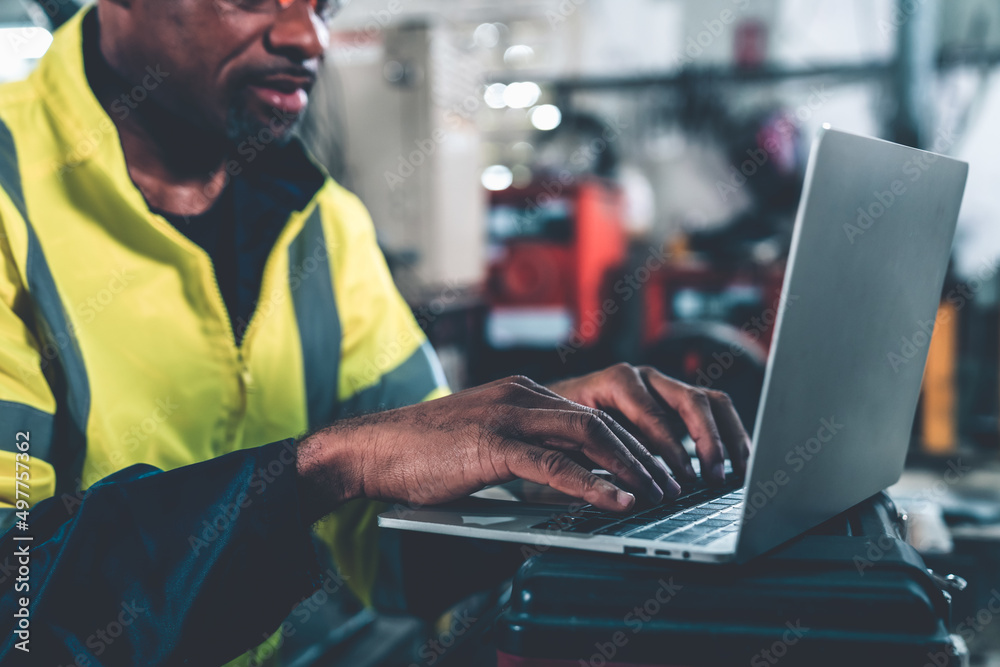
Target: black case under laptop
{"x": 849, "y": 593}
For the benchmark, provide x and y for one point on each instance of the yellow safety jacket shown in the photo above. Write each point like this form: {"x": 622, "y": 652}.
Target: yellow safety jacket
{"x": 115, "y": 343}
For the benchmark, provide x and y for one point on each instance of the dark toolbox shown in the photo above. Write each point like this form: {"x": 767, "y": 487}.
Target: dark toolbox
{"x": 848, "y": 593}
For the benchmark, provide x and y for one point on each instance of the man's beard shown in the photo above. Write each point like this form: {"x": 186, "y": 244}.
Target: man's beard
{"x": 243, "y": 128}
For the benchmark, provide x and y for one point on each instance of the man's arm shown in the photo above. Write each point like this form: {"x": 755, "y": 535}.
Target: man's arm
{"x": 197, "y": 564}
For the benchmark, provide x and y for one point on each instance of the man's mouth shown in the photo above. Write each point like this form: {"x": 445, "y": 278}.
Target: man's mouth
{"x": 286, "y": 93}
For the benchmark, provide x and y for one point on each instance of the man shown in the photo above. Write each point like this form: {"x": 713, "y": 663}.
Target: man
{"x": 181, "y": 286}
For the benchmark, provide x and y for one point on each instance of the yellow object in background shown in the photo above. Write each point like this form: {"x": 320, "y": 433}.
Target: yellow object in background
{"x": 939, "y": 415}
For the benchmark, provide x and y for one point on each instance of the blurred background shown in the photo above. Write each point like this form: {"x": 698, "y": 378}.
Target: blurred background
{"x": 559, "y": 185}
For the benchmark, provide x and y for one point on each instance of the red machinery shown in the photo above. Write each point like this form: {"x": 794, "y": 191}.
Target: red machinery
{"x": 553, "y": 247}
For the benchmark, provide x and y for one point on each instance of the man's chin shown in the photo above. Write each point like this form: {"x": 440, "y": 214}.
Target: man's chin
{"x": 244, "y": 126}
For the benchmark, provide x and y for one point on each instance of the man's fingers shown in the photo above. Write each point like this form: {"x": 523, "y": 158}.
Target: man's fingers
{"x": 554, "y": 468}
{"x": 587, "y": 432}
{"x": 735, "y": 437}
{"x": 670, "y": 487}
{"x": 631, "y": 397}
{"x": 695, "y": 408}
{"x": 528, "y": 394}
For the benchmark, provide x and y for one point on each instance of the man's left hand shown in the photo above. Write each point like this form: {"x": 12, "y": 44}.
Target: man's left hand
{"x": 640, "y": 396}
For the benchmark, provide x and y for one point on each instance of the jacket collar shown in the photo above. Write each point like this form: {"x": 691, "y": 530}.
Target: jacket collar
{"x": 84, "y": 129}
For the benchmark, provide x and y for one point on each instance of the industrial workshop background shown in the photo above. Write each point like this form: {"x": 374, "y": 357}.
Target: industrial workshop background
{"x": 563, "y": 184}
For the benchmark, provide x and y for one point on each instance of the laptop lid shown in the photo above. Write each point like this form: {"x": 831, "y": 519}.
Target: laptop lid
{"x": 868, "y": 259}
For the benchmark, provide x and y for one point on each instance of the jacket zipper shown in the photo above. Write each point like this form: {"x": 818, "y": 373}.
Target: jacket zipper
{"x": 244, "y": 377}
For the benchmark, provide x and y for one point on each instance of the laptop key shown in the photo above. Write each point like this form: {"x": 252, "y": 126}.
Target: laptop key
{"x": 699, "y": 511}
{"x": 590, "y": 525}
{"x": 660, "y": 529}
{"x": 656, "y": 532}
{"x": 684, "y": 537}
{"x": 616, "y": 530}
{"x": 687, "y": 519}
{"x": 667, "y": 527}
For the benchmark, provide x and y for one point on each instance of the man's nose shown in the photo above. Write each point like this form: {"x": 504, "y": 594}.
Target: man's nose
{"x": 298, "y": 33}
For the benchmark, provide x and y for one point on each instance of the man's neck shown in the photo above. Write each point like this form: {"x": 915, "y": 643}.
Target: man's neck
{"x": 177, "y": 166}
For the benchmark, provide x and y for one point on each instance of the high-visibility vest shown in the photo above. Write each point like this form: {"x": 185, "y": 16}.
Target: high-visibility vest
{"x": 115, "y": 343}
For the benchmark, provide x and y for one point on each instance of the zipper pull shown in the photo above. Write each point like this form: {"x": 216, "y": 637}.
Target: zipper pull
{"x": 246, "y": 377}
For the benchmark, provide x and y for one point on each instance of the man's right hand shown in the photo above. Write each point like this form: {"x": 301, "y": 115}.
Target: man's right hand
{"x": 445, "y": 449}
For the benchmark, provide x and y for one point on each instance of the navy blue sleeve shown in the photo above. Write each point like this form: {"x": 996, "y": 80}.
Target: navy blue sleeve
{"x": 191, "y": 566}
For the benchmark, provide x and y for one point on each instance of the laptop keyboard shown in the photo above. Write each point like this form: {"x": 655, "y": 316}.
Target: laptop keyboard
{"x": 699, "y": 516}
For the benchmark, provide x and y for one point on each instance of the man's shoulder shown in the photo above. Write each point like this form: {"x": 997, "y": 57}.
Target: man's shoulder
{"x": 344, "y": 212}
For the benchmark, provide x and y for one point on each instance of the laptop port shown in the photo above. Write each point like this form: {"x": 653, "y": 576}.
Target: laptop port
{"x": 635, "y": 550}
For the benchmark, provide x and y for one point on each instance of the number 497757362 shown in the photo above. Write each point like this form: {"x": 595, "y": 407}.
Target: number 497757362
{"x": 22, "y": 470}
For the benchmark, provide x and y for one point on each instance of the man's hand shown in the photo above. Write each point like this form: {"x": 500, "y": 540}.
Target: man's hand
{"x": 445, "y": 449}
{"x": 640, "y": 396}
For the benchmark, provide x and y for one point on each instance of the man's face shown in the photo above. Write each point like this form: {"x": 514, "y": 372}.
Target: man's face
{"x": 232, "y": 66}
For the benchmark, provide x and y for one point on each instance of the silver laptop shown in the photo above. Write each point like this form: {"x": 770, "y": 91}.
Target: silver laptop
{"x": 869, "y": 253}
